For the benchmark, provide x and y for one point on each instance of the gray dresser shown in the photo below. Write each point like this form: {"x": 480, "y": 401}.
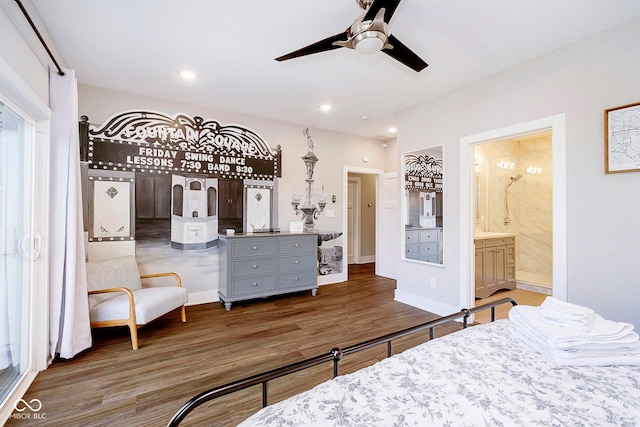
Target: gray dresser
{"x": 262, "y": 265}
{"x": 424, "y": 244}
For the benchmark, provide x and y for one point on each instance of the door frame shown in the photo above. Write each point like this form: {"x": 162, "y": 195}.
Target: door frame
{"x": 345, "y": 179}
{"x": 557, "y": 124}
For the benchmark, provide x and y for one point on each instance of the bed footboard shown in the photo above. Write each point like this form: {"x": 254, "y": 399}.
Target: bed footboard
{"x": 335, "y": 356}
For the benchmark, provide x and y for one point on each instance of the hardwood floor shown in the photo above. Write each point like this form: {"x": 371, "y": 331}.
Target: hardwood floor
{"x": 112, "y": 385}
{"x": 521, "y": 296}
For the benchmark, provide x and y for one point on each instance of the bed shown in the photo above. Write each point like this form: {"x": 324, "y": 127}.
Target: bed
{"x": 479, "y": 376}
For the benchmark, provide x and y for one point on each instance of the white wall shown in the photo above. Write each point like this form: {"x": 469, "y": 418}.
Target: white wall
{"x": 17, "y": 38}
{"x": 580, "y": 81}
{"x": 391, "y": 156}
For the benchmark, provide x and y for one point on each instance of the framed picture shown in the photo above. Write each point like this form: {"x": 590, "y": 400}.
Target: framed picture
{"x": 622, "y": 139}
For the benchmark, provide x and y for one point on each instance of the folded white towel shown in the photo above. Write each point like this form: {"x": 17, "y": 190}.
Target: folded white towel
{"x": 529, "y": 320}
{"x": 555, "y": 311}
{"x": 580, "y": 358}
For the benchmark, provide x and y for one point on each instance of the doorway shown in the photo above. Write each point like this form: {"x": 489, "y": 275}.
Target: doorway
{"x": 361, "y": 218}
{"x": 353, "y": 219}
{"x": 513, "y": 195}
{"x": 557, "y": 126}
{"x": 369, "y": 228}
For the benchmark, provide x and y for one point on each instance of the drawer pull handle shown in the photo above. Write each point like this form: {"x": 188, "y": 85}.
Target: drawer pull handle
{"x": 296, "y": 262}
{"x": 254, "y": 284}
{"x": 295, "y": 279}
{"x": 254, "y": 266}
{"x": 255, "y": 248}
{"x": 297, "y": 245}
{"x": 408, "y": 250}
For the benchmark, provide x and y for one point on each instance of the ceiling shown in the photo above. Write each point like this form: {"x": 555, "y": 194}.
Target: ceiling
{"x": 140, "y": 46}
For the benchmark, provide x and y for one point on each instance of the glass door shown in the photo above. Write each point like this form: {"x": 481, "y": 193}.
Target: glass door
{"x": 17, "y": 138}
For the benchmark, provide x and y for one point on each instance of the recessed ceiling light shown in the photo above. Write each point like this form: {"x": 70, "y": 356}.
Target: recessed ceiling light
{"x": 364, "y": 118}
{"x": 189, "y": 75}
{"x": 326, "y": 107}
{"x": 392, "y": 130}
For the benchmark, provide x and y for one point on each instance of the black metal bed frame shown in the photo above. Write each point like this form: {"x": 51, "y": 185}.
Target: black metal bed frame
{"x": 335, "y": 355}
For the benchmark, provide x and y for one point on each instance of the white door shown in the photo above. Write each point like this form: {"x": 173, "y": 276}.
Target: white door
{"x": 353, "y": 235}
{"x": 17, "y": 241}
{"x": 388, "y": 227}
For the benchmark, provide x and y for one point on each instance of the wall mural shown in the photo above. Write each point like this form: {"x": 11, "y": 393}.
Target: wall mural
{"x": 162, "y": 187}
{"x": 155, "y": 142}
{"x": 165, "y": 186}
{"x": 329, "y": 255}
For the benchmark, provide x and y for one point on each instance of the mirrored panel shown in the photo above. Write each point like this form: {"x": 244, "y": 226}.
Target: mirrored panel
{"x": 422, "y": 205}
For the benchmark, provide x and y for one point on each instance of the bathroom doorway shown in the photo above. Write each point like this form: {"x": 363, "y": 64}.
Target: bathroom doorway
{"x": 513, "y": 180}
{"x": 556, "y": 124}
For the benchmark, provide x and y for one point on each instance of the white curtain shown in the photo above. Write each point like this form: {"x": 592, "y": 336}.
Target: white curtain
{"x": 69, "y": 328}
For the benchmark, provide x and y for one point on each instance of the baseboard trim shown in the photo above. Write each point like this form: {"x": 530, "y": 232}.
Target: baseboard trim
{"x": 425, "y": 304}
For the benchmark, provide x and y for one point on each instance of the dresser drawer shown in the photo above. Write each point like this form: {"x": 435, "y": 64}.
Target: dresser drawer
{"x": 429, "y": 258}
{"x": 299, "y": 279}
{"x": 253, "y": 285}
{"x": 292, "y": 245}
{"x": 253, "y": 266}
{"x": 412, "y": 236}
{"x": 296, "y": 262}
{"x": 254, "y": 247}
{"x": 428, "y": 248}
{"x": 501, "y": 241}
{"x": 429, "y": 236}
{"x": 412, "y": 250}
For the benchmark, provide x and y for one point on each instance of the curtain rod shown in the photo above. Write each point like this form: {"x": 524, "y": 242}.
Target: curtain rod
{"x": 26, "y": 15}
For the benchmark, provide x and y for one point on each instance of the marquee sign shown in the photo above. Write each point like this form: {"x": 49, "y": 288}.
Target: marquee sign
{"x": 423, "y": 173}
{"x": 145, "y": 141}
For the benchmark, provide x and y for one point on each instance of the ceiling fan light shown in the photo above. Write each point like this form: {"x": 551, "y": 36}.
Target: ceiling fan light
{"x": 370, "y": 42}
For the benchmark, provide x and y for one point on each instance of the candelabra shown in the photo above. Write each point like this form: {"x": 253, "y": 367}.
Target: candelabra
{"x": 309, "y": 211}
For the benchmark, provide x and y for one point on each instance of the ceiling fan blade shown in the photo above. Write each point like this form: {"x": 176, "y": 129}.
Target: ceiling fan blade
{"x": 389, "y": 9}
{"x": 317, "y": 47}
{"x": 405, "y": 55}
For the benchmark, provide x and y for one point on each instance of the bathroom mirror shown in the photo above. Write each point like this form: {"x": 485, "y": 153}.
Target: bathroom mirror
{"x": 422, "y": 204}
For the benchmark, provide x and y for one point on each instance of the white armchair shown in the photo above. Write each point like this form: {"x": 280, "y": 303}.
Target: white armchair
{"x": 118, "y": 298}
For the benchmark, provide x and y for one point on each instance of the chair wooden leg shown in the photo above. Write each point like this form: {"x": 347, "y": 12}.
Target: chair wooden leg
{"x": 134, "y": 336}
{"x": 183, "y": 314}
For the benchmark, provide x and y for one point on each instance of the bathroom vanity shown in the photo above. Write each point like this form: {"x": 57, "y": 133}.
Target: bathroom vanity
{"x": 265, "y": 264}
{"x": 495, "y": 262}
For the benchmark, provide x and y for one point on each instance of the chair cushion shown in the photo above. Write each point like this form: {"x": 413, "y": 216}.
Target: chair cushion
{"x": 150, "y": 303}
{"x": 112, "y": 273}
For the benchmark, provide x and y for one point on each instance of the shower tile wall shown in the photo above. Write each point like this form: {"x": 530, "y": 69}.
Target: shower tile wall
{"x": 530, "y": 198}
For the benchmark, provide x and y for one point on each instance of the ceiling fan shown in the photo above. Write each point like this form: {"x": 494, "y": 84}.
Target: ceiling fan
{"x": 368, "y": 34}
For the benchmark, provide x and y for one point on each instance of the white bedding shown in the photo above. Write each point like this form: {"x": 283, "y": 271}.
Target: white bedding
{"x": 481, "y": 376}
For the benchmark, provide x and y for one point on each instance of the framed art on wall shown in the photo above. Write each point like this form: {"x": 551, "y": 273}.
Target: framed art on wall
{"x": 622, "y": 139}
